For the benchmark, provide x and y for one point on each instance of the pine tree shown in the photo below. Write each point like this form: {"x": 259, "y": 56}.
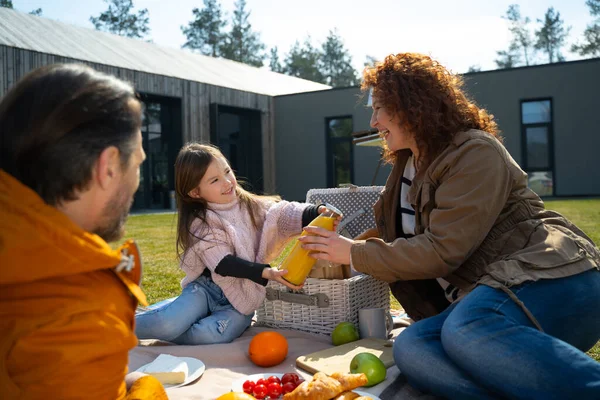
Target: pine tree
{"x": 591, "y": 35}
{"x": 9, "y": 4}
{"x": 336, "y": 63}
{"x": 120, "y": 19}
{"x": 509, "y": 58}
{"x": 242, "y": 44}
{"x": 370, "y": 61}
{"x": 518, "y": 26}
{"x": 551, "y": 36}
{"x": 205, "y": 32}
{"x": 274, "y": 63}
{"x": 303, "y": 62}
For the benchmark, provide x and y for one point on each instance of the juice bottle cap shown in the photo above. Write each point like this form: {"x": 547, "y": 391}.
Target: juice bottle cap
{"x": 332, "y": 211}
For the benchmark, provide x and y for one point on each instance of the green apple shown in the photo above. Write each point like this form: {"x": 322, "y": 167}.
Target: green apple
{"x": 344, "y": 332}
{"x": 370, "y": 365}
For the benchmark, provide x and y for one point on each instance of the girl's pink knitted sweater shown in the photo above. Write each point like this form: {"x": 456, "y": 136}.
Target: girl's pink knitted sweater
{"x": 230, "y": 231}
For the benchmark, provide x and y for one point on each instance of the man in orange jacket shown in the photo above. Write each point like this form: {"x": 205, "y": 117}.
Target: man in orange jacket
{"x": 70, "y": 154}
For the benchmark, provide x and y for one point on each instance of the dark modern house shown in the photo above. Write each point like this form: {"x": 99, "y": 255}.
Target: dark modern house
{"x": 187, "y": 96}
{"x": 287, "y": 135}
{"x": 548, "y": 114}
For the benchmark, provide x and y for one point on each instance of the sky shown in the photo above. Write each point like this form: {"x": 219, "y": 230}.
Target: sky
{"x": 458, "y": 33}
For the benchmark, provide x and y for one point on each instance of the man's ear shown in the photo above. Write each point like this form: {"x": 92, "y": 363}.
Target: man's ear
{"x": 108, "y": 167}
{"x": 195, "y": 193}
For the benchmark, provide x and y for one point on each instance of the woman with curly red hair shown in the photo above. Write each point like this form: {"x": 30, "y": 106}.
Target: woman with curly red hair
{"x": 506, "y": 294}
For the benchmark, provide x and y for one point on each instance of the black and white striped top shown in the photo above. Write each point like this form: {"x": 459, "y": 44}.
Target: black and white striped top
{"x": 405, "y": 218}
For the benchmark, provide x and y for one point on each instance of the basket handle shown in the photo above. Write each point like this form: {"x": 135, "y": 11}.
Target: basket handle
{"x": 350, "y": 186}
{"x": 351, "y": 218}
{"x": 320, "y": 300}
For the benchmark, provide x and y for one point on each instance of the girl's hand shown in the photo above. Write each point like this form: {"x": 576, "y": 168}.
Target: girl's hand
{"x": 276, "y": 275}
{"x": 327, "y": 245}
{"x": 322, "y": 209}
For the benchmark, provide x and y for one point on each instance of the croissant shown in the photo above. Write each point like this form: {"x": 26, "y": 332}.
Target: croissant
{"x": 347, "y": 396}
{"x": 350, "y": 381}
{"x": 323, "y": 387}
{"x": 320, "y": 387}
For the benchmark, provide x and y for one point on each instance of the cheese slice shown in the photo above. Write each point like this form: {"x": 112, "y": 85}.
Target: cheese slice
{"x": 169, "y": 370}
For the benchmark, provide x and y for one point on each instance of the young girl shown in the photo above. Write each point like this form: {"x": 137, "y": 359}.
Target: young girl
{"x": 225, "y": 238}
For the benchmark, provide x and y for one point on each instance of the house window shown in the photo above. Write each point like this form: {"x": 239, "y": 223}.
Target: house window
{"x": 340, "y": 159}
{"x": 538, "y": 145}
{"x": 154, "y": 172}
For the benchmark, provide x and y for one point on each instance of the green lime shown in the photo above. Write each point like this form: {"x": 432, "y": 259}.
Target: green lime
{"x": 344, "y": 332}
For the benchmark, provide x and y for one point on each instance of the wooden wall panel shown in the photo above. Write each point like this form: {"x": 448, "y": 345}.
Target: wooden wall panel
{"x": 196, "y": 97}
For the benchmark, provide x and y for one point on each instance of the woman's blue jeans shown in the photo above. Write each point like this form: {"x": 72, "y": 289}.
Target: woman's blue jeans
{"x": 200, "y": 315}
{"x": 485, "y": 346}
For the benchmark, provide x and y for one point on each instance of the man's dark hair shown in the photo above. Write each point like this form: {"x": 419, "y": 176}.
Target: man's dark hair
{"x": 57, "y": 120}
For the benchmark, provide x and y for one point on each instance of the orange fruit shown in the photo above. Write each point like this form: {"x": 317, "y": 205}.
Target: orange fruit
{"x": 268, "y": 348}
{"x": 236, "y": 396}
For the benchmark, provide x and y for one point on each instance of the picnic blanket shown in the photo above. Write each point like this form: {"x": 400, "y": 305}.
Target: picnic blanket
{"x": 227, "y": 362}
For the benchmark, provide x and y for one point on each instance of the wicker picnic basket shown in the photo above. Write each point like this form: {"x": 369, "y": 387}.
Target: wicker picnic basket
{"x": 324, "y": 303}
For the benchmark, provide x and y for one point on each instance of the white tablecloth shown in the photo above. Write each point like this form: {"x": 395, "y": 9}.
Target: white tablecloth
{"x": 228, "y": 362}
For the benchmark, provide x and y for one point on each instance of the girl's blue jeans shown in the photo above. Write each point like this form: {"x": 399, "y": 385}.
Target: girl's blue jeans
{"x": 486, "y": 347}
{"x": 200, "y": 315}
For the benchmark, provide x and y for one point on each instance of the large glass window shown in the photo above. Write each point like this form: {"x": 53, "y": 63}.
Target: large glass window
{"x": 161, "y": 140}
{"x": 538, "y": 148}
{"x": 538, "y": 143}
{"x": 238, "y": 133}
{"x": 534, "y": 112}
{"x": 154, "y": 172}
{"x": 340, "y": 160}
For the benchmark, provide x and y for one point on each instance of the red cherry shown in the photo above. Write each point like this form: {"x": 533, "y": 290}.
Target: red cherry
{"x": 273, "y": 379}
{"x": 262, "y": 381}
{"x": 274, "y": 390}
{"x": 248, "y": 387}
{"x": 260, "y": 391}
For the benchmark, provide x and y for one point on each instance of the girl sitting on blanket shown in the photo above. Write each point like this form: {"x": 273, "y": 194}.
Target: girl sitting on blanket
{"x": 225, "y": 238}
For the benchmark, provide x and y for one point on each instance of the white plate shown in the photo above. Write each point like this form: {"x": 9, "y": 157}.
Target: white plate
{"x": 195, "y": 370}
{"x": 238, "y": 384}
{"x": 361, "y": 393}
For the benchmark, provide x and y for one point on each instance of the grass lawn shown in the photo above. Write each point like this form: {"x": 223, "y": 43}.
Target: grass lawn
{"x": 155, "y": 235}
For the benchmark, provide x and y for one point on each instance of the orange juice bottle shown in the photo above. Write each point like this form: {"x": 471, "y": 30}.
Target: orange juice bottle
{"x": 299, "y": 263}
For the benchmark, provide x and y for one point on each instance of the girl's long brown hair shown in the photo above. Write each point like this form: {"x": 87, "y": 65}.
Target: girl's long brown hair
{"x": 428, "y": 99}
{"x": 190, "y": 166}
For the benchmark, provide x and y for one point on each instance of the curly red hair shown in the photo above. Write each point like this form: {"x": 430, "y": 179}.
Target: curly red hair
{"x": 429, "y": 100}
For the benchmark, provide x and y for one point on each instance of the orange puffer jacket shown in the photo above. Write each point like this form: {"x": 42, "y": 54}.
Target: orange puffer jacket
{"x": 66, "y": 315}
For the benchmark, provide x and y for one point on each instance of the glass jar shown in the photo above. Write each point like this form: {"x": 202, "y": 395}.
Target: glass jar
{"x": 299, "y": 262}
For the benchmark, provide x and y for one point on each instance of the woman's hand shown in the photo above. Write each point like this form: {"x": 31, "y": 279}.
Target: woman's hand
{"x": 327, "y": 245}
{"x": 276, "y": 275}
